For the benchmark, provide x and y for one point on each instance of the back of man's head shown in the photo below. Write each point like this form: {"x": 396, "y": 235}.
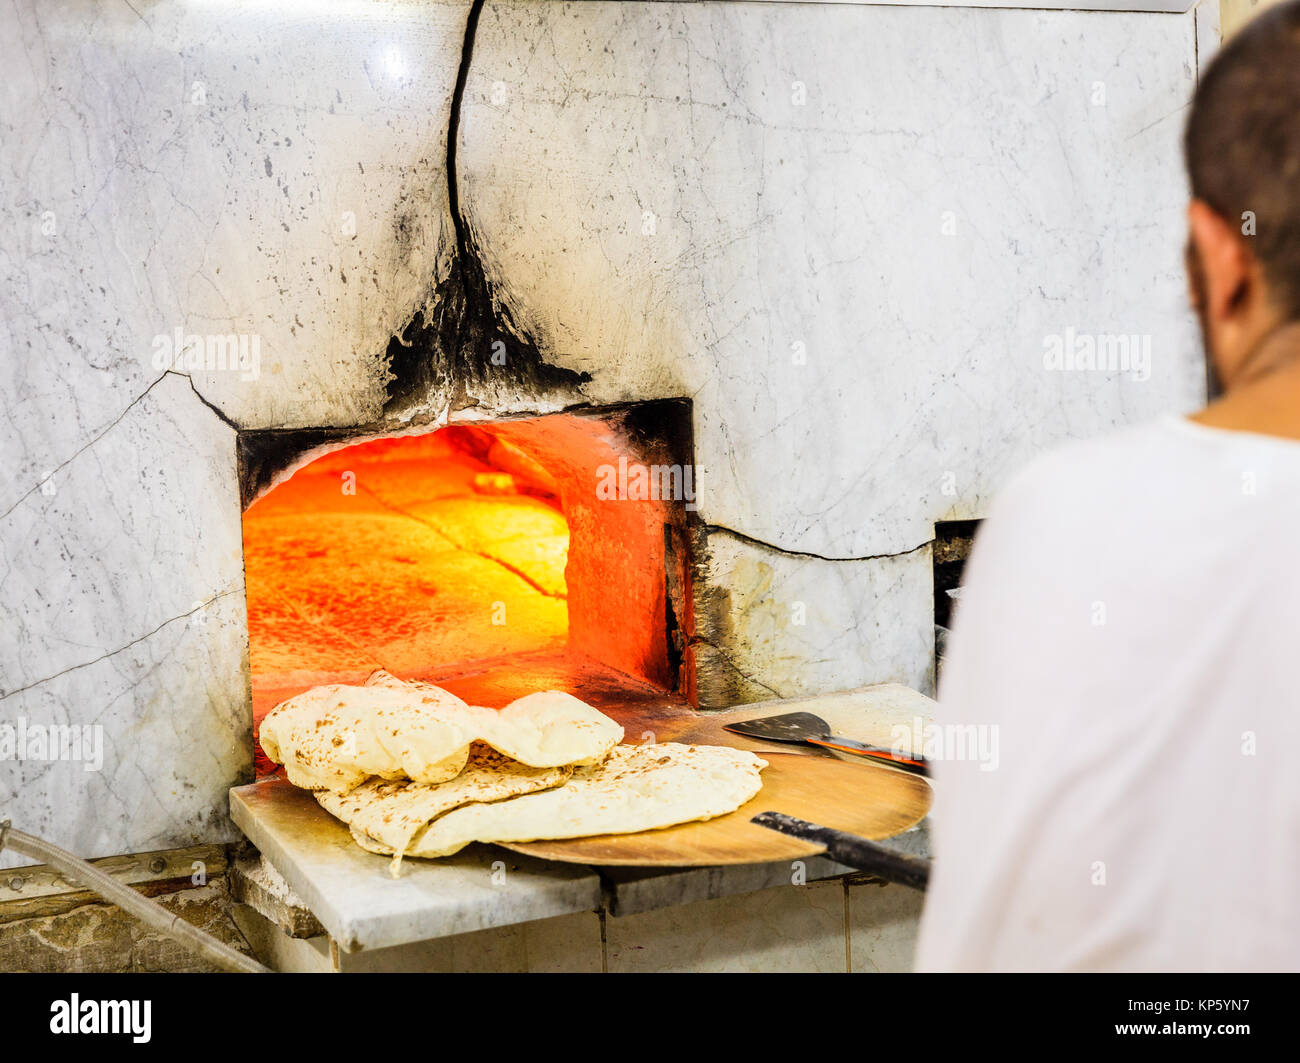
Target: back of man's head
{"x": 1242, "y": 145}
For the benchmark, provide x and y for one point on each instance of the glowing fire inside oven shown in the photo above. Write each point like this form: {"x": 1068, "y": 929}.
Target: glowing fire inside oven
{"x": 402, "y": 553}
{"x": 449, "y": 554}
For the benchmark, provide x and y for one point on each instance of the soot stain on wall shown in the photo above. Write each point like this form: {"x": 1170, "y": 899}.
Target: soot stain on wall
{"x": 465, "y": 341}
{"x": 262, "y": 455}
{"x": 466, "y": 335}
{"x": 461, "y": 349}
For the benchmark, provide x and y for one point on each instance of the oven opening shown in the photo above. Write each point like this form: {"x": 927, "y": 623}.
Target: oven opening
{"x": 547, "y": 552}
{"x": 953, "y": 540}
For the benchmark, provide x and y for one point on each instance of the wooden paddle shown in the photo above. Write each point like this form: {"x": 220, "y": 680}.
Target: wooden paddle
{"x": 866, "y": 799}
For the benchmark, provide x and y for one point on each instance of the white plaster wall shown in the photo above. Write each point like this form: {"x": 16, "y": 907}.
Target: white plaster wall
{"x": 192, "y": 166}
{"x": 857, "y": 373}
{"x": 778, "y": 625}
{"x": 203, "y": 166}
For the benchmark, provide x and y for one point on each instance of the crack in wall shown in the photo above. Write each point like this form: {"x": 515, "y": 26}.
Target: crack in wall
{"x": 722, "y": 627}
{"x": 86, "y": 446}
{"x": 461, "y": 349}
{"x": 711, "y": 529}
{"x": 725, "y": 658}
{"x": 121, "y": 649}
{"x": 110, "y": 426}
{"x": 221, "y": 416}
{"x": 466, "y": 337}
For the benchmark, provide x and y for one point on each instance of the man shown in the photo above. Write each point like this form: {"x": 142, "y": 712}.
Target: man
{"x": 1130, "y": 622}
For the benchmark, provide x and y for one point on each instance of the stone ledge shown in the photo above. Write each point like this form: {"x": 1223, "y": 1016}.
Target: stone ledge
{"x": 362, "y": 906}
{"x": 255, "y": 883}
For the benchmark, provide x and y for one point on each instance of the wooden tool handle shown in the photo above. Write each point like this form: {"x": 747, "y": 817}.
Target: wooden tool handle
{"x": 918, "y": 765}
{"x": 852, "y": 850}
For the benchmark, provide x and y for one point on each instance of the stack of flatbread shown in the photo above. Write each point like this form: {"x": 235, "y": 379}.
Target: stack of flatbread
{"x": 413, "y": 770}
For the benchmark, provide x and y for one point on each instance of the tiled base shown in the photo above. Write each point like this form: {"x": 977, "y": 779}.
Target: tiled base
{"x": 883, "y": 921}
{"x": 830, "y": 926}
{"x": 566, "y": 944}
{"x": 792, "y": 928}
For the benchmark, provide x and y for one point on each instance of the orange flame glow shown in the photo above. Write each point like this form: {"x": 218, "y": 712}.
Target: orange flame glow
{"x": 448, "y": 554}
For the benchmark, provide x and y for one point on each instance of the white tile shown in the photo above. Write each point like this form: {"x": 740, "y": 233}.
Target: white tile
{"x": 788, "y": 929}
{"x": 219, "y": 168}
{"x": 123, "y": 612}
{"x": 883, "y": 922}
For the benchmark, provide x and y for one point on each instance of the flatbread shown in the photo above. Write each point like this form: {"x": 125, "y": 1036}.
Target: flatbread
{"x": 637, "y": 788}
{"x": 547, "y": 728}
{"x": 391, "y": 812}
{"x": 336, "y": 737}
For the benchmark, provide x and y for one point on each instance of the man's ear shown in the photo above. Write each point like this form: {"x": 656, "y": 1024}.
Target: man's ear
{"x": 1226, "y": 266}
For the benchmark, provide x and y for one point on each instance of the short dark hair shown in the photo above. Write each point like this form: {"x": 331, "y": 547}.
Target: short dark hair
{"x": 1242, "y": 143}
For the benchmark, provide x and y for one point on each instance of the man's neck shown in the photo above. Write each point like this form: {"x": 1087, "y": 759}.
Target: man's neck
{"x": 1265, "y": 398}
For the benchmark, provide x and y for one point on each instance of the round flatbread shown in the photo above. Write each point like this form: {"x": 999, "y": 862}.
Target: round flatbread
{"x": 336, "y": 737}
{"x": 391, "y": 812}
{"x": 637, "y": 788}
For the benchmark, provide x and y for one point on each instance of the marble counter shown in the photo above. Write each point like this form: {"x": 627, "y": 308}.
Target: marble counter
{"x": 361, "y": 906}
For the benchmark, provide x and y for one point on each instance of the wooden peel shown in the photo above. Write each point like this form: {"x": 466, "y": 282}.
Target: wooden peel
{"x": 863, "y": 799}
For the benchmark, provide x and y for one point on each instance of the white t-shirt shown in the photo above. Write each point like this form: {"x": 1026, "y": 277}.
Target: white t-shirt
{"x": 1129, "y": 627}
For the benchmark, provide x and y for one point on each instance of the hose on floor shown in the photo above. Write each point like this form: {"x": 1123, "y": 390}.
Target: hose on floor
{"x": 147, "y": 911}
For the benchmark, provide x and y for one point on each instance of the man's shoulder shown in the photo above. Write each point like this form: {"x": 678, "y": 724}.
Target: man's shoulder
{"x": 1086, "y": 472}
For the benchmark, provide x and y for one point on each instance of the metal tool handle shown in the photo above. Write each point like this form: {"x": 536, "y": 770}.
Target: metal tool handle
{"x": 852, "y": 850}
{"x": 916, "y": 765}
{"x": 148, "y": 911}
